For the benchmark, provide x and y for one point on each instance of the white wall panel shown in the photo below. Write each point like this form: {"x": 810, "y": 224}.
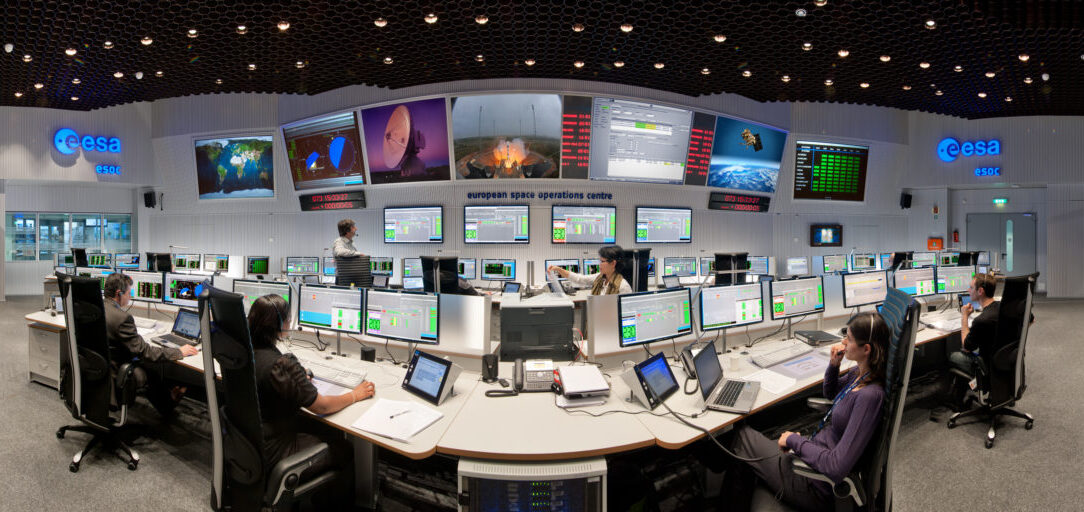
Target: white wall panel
{"x": 853, "y": 121}
{"x": 1064, "y": 241}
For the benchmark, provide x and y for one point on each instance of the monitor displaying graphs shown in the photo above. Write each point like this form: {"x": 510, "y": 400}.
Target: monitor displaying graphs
{"x": 638, "y": 141}
{"x": 507, "y": 136}
{"x": 407, "y": 141}
{"x": 324, "y": 152}
{"x": 664, "y": 225}
{"x": 416, "y": 224}
{"x": 745, "y": 156}
{"x": 235, "y": 167}
{"x": 827, "y": 171}
{"x": 505, "y": 224}
{"x": 584, "y": 224}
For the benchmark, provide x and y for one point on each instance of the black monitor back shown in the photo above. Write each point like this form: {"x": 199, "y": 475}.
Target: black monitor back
{"x": 728, "y": 267}
{"x": 448, "y": 270}
{"x": 636, "y": 259}
{"x": 901, "y": 260}
{"x": 537, "y": 333}
{"x": 969, "y": 258}
{"x": 159, "y": 262}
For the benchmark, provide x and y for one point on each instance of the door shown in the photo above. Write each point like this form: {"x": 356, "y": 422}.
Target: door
{"x": 1010, "y": 238}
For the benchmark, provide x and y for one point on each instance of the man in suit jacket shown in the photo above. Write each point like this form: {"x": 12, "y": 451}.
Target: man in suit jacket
{"x": 125, "y": 344}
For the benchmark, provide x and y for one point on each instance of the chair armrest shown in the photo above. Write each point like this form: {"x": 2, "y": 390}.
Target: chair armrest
{"x": 818, "y": 404}
{"x": 842, "y": 490}
{"x": 286, "y": 474}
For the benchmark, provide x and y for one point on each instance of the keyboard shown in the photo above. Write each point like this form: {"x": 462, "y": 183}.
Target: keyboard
{"x": 174, "y": 339}
{"x": 729, "y": 396}
{"x": 778, "y": 356}
{"x": 330, "y": 371}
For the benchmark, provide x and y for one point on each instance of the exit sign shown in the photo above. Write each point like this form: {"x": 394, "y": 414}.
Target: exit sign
{"x": 1001, "y": 201}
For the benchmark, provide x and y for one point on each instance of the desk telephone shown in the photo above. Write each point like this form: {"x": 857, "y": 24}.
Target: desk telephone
{"x": 533, "y": 375}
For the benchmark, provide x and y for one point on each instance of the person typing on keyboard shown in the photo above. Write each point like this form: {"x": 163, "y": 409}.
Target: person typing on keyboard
{"x": 840, "y": 438}
{"x": 284, "y": 387}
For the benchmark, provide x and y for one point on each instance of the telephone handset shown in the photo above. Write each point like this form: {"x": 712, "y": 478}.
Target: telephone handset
{"x": 533, "y": 376}
{"x": 517, "y": 376}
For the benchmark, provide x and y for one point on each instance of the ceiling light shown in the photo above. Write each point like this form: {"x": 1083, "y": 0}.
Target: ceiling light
{"x": 18, "y": 94}
{"x": 108, "y": 45}
{"x": 844, "y": 53}
{"x": 719, "y": 38}
{"x": 75, "y": 98}
{"x": 146, "y": 41}
{"x": 626, "y": 27}
{"x": 380, "y": 22}
{"x": 807, "y": 46}
{"x": 982, "y": 95}
{"x": 481, "y": 19}
{"x": 578, "y": 64}
{"x": 252, "y": 67}
{"x": 931, "y": 24}
{"x": 1008, "y": 99}
{"x": 431, "y": 18}
{"x": 924, "y": 65}
{"x": 958, "y": 68}
{"x": 785, "y": 79}
{"x": 118, "y": 74}
{"x": 886, "y": 58}
{"x": 577, "y": 27}
{"x": 820, "y": 3}
{"x": 299, "y": 64}
{"x": 388, "y": 60}
{"x": 529, "y": 62}
{"x": 799, "y": 12}
{"x": 907, "y": 87}
{"x": 619, "y": 63}
{"x": 139, "y": 75}
{"x": 70, "y": 52}
{"x": 76, "y": 81}
{"x": 479, "y": 57}
{"x": 938, "y": 92}
{"x": 27, "y": 58}
{"x": 1027, "y": 80}
{"x": 990, "y": 74}
{"x": 158, "y": 74}
{"x": 193, "y": 33}
{"x": 705, "y": 71}
{"x": 39, "y": 85}
{"x": 864, "y": 85}
{"x": 8, "y": 47}
{"x": 747, "y": 73}
{"x": 283, "y": 26}
{"x": 218, "y": 81}
{"x": 828, "y": 82}
{"x": 1045, "y": 77}
{"x": 1023, "y": 57}
{"x": 241, "y": 29}
{"x": 659, "y": 65}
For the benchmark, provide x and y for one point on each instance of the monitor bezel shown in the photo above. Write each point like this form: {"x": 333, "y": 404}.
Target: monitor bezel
{"x": 297, "y": 308}
{"x": 771, "y": 293}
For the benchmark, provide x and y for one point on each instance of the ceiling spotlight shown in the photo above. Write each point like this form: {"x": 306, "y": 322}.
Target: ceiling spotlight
{"x": 924, "y": 65}
{"x": 388, "y": 60}
{"x": 75, "y": 98}
{"x": 299, "y": 64}
{"x": 146, "y": 41}
{"x": 283, "y": 26}
{"x": 1045, "y": 76}
{"x": 820, "y": 3}
{"x": 982, "y": 95}
{"x": 118, "y": 74}
{"x": 844, "y": 53}
{"x": 719, "y": 38}
{"x": 76, "y": 81}
{"x": 27, "y": 58}
{"x": 659, "y": 65}
{"x": 864, "y": 85}
{"x": 159, "y": 74}
{"x": 70, "y": 52}
{"x": 807, "y": 46}
{"x": 938, "y": 92}
{"x": 193, "y": 33}
{"x": 619, "y": 63}
{"x": 577, "y": 27}
{"x": 1023, "y": 57}
{"x": 747, "y": 73}
{"x": 785, "y": 79}
{"x": 1027, "y": 80}
{"x": 139, "y": 75}
{"x": 252, "y": 67}
{"x": 431, "y": 18}
{"x": 907, "y": 87}
{"x": 380, "y": 22}
{"x": 705, "y": 71}
{"x": 626, "y": 27}
{"x": 8, "y": 48}
{"x": 479, "y": 57}
{"x": 18, "y": 94}
{"x": 1008, "y": 99}
{"x": 886, "y": 58}
{"x": 578, "y": 64}
{"x": 241, "y": 29}
{"x": 828, "y": 82}
{"x": 39, "y": 85}
{"x": 990, "y": 74}
{"x": 958, "y": 68}
{"x": 108, "y": 45}
{"x": 529, "y": 62}
{"x": 481, "y": 19}
{"x": 218, "y": 81}
{"x": 800, "y": 12}
{"x": 931, "y": 24}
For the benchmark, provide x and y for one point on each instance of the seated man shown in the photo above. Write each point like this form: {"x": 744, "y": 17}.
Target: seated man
{"x": 982, "y": 332}
{"x": 125, "y": 343}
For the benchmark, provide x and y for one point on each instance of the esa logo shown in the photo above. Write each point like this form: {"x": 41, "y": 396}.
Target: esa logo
{"x": 107, "y": 169}
{"x": 987, "y": 171}
{"x": 68, "y": 142}
{"x": 949, "y": 148}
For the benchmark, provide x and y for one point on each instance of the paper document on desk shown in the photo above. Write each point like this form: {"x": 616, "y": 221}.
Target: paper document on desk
{"x": 397, "y": 419}
{"x": 771, "y": 381}
{"x": 813, "y": 363}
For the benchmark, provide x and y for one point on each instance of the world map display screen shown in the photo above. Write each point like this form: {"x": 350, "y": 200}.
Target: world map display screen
{"x": 235, "y": 167}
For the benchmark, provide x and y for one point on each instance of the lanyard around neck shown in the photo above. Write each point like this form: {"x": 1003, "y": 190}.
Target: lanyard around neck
{"x": 839, "y": 398}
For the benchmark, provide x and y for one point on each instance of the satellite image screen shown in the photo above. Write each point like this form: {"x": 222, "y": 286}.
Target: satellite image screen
{"x": 745, "y": 156}
{"x": 324, "y": 152}
{"x": 236, "y": 167}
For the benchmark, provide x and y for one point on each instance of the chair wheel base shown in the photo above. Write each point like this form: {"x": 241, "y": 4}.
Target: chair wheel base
{"x": 989, "y": 443}
{"x": 73, "y": 467}
{"x": 133, "y": 465}
{"x": 60, "y": 434}
{"x": 951, "y": 423}
{"x": 1029, "y": 424}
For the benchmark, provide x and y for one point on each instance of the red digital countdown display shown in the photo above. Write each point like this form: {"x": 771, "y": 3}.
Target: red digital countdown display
{"x": 354, "y": 199}
{"x": 701, "y": 137}
{"x": 738, "y": 202}
{"x": 575, "y": 137}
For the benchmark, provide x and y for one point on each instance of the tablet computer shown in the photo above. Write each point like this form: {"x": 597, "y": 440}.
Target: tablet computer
{"x": 656, "y": 378}
{"x": 510, "y": 287}
{"x": 430, "y": 377}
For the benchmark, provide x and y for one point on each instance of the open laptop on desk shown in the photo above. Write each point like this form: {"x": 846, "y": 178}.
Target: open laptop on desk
{"x": 727, "y": 395}
{"x": 185, "y": 329}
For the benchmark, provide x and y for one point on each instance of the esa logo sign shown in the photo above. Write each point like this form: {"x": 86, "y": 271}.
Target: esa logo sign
{"x": 68, "y": 142}
{"x": 949, "y": 148}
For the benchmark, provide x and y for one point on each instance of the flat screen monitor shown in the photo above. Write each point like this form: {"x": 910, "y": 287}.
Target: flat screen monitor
{"x": 186, "y": 261}
{"x": 257, "y": 265}
{"x": 65, "y": 259}
{"x": 796, "y": 297}
{"x": 835, "y": 263}
{"x": 591, "y": 266}
{"x": 825, "y": 235}
{"x": 240, "y": 167}
{"x": 499, "y": 269}
{"x": 414, "y": 283}
{"x": 945, "y": 259}
{"x": 917, "y": 282}
{"x": 584, "y": 224}
{"x": 507, "y": 136}
{"x": 830, "y": 172}
{"x": 302, "y": 265}
{"x": 863, "y": 288}
{"x": 412, "y": 267}
{"x": 252, "y": 290}
{"x": 652, "y": 316}
{"x": 797, "y": 266}
{"x": 100, "y": 273}
{"x": 651, "y": 267}
{"x": 329, "y": 266}
{"x": 216, "y": 263}
{"x": 723, "y": 307}
{"x": 984, "y": 258}
{"x": 707, "y": 265}
{"x": 407, "y": 142}
{"x": 100, "y": 260}
{"x": 403, "y": 316}
{"x": 885, "y": 260}
{"x": 954, "y": 279}
{"x": 127, "y": 260}
{"x": 183, "y": 289}
{"x": 863, "y": 262}
{"x": 382, "y": 265}
{"x": 758, "y": 265}
{"x": 746, "y": 156}
{"x": 467, "y": 268}
{"x": 336, "y": 308}
{"x": 571, "y": 265}
{"x": 414, "y": 224}
{"x": 663, "y": 225}
{"x": 923, "y": 259}
{"x": 324, "y": 152}
{"x": 497, "y": 224}
{"x": 680, "y": 267}
{"x": 639, "y": 141}
{"x": 146, "y": 286}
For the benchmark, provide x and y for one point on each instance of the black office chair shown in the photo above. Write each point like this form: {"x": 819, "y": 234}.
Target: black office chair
{"x": 241, "y": 478}
{"x": 1003, "y": 381}
{"x": 869, "y": 485}
{"x": 87, "y": 385}
{"x": 354, "y": 271}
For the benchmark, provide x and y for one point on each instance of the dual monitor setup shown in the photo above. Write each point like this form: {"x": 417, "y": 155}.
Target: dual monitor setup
{"x": 177, "y": 289}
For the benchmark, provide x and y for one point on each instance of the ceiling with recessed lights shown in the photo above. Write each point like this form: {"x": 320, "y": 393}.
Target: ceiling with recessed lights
{"x": 965, "y": 58}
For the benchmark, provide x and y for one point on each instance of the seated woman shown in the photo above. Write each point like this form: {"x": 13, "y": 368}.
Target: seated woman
{"x": 284, "y": 388}
{"x": 840, "y": 439}
{"x": 608, "y": 280}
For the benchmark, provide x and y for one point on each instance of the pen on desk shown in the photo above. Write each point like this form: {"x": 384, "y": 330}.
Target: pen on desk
{"x": 400, "y": 413}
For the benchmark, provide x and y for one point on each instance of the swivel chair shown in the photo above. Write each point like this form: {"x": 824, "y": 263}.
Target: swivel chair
{"x": 87, "y": 385}
{"x": 353, "y": 271}
{"x": 241, "y": 477}
{"x": 1002, "y": 382}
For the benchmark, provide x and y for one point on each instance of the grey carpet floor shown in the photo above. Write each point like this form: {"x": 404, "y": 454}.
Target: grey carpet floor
{"x": 938, "y": 469}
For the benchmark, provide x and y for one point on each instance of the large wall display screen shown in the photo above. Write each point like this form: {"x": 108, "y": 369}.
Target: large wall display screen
{"x": 407, "y": 141}
{"x": 745, "y": 156}
{"x": 663, "y": 225}
{"x": 324, "y": 152}
{"x": 637, "y": 141}
{"x": 235, "y": 167}
{"x": 830, "y": 171}
{"x": 507, "y": 136}
{"x": 418, "y": 224}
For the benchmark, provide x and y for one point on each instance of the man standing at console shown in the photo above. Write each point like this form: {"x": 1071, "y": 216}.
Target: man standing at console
{"x": 351, "y": 266}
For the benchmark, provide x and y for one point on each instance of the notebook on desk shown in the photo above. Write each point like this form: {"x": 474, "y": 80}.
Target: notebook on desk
{"x": 399, "y": 420}
{"x": 727, "y": 395}
{"x": 185, "y": 329}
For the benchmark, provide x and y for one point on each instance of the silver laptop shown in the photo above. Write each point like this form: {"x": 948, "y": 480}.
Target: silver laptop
{"x": 727, "y": 395}
{"x": 185, "y": 329}
{"x": 669, "y": 282}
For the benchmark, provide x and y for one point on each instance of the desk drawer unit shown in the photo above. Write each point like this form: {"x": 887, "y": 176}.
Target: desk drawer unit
{"x": 44, "y": 354}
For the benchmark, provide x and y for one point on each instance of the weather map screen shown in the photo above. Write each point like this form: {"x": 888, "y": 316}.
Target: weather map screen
{"x": 584, "y": 224}
{"x": 827, "y": 171}
{"x": 722, "y": 307}
{"x": 638, "y": 141}
{"x": 664, "y": 225}
{"x": 417, "y": 224}
{"x": 329, "y": 307}
{"x": 325, "y": 152}
{"x": 796, "y": 297}
{"x": 508, "y": 224}
{"x": 917, "y": 282}
{"x": 184, "y": 289}
{"x": 412, "y": 317}
{"x": 653, "y": 316}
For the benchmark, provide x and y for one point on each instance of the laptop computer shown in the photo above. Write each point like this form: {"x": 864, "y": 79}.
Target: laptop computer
{"x": 670, "y": 282}
{"x": 380, "y": 281}
{"x": 185, "y": 329}
{"x": 727, "y": 395}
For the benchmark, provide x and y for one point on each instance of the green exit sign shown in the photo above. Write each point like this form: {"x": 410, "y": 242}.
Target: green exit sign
{"x": 1001, "y": 201}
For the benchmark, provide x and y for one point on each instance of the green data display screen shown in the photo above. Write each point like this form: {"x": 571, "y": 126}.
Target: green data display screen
{"x": 826, "y": 171}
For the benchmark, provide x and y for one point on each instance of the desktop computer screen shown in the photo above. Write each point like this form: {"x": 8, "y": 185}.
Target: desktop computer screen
{"x": 885, "y": 260}
{"x": 923, "y": 259}
{"x": 410, "y": 317}
{"x": 917, "y": 282}
{"x": 954, "y": 279}
{"x": 652, "y": 316}
{"x": 126, "y": 260}
{"x": 64, "y": 259}
{"x": 835, "y": 263}
{"x": 864, "y": 288}
{"x": 663, "y": 225}
{"x": 335, "y": 308}
{"x": 707, "y": 265}
{"x": 302, "y": 265}
{"x": 100, "y": 260}
{"x": 504, "y": 224}
{"x": 861, "y": 262}
{"x": 758, "y": 265}
{"x": 498, "y": 270}
{"x": 681, "y": 267}
{"x": 638, "y": 141}
{"x": 984, "y": 258}
{"x": 591, "y": 266}
{"x": 99, "y": 273}
{"x": 414, "y": 283}
{"x": 216, "y": 263}
{"x": 467, "y": 268}
{"x": 798, "y": 266}
{"x": 146, "y": 286}
{"x": 383, "y": 265}
{"x": 183, "y": 289}
{"x": 412, "y": 267}
{"x": 584, "y": 224}
{"x": 572, "y": 265}
{"x": 186, "y": 261}
{"x": 796, "y": 297}
{"x": 949, "y": 259}
{"x": 417, "y": 224}
{"x": 329, "y": 266}
{"x": 722, "y": 307}
{"x": 257, "y": 265}
{"x": 252, "y": 290}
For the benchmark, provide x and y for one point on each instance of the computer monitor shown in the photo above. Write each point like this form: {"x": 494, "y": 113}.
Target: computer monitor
{"x": 126, "y": 260}
{"x": 647, "y": 317}
{"x": 257, "y": 265}
{"x": 100, "y": 260}
{"x": 681, "y": 267}
{"x": 948, "y": 259}
{"x": 302, "y": 265}
{"x": 496, "y": 224}
{"x": 796, "y": 297}
{"x": 252, "y": 290}
{"x": 984, "y": 258}
{"x": 591, "y": 266}
{"x": 183, "y": 289}
{"x": 707, "y": 265}
{"x": 863, "y": 262}
{"x": 954, "y": 279}
{"x": 499, "y": 269}
{"x": 758, "y": 265}
{"x": 651, "y": 267}
{"x": 382, "y": 265}
{"x": 572, "y": 265}
{"x": 539, "y": 331}
{"x": 159, "y": 262}
{"x": 656, "y": 225}
{"x": 416, "y": 284}
{"x": 918, "y": 282}
{"x": 99, "y": 273}
{"x": 923, "y": 259}
{"x": 864, "y": 288}
{"x": 216, "y": 263}
{"x": 835, "y": 263}
{"x": 723, "y": 307}
{"x": 412, "y": 267}
{"x": 467, "y": 268}
{"x": 584, "y": 224}
{"x": 403, "y": 316}
{"x": 64, "y": 259}
{"x": 146, "y": 286}
{"x": 186, "y": 261}
{"x": 414, "y": 224}
{"x": 79, "y": 257}
{"x": 798, "y": 266}
{"x": 329, "y": 266}
{"x": 335, "y": 308}
{"x": 885, "y": 260}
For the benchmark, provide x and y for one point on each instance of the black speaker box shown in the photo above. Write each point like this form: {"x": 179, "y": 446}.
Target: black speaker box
{"x": 149, "y": 199}
{"x": 905, "y": 200}
{"x": 368, "y": 353}
{"x": 489, "y": 367}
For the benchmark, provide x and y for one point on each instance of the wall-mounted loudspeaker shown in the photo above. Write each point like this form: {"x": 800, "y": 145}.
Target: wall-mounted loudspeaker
{"x": 905, "y": 200}
{"x": 149, "y": 199}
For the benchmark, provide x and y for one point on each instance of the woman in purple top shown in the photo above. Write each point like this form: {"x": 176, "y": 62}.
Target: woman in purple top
{"x": 840, "y": 439}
